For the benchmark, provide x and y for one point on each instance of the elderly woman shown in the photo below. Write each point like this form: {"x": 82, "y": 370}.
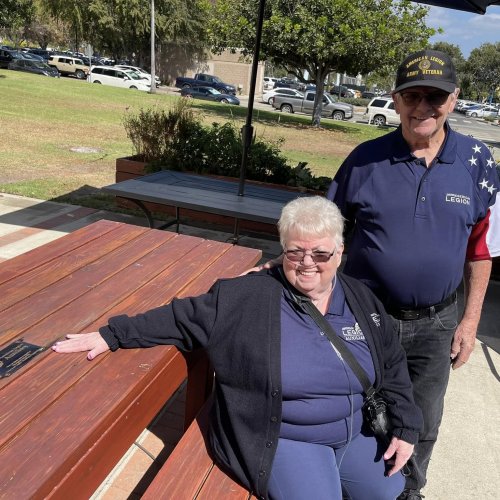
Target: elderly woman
{"x": 287, "y": 419}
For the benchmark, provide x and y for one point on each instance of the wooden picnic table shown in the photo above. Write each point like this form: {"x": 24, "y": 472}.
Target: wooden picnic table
{"x": 64, "y": 421}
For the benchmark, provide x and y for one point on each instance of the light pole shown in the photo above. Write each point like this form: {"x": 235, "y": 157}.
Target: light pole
{"x": 153, "y": 74}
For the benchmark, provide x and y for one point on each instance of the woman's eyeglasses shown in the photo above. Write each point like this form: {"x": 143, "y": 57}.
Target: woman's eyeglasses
{"x": 318, "y": 257}
{"x": 433, "y": 98}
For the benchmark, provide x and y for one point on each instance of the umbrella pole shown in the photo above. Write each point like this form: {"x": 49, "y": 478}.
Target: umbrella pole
{"x": 247, "y": 129}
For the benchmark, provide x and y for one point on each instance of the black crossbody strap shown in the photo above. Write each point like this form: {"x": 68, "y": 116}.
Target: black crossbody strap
{"x": 308, "y": 307}
{"x": 346, "y": 354}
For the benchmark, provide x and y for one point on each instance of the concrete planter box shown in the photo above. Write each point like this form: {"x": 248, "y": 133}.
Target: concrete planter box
{"x": 131, "y": 168}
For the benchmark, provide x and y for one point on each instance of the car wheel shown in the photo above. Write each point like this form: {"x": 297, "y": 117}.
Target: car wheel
{"x": 186, "y": 86}
{"x": 224, "y": 100}
{"x": 133, "y": 87}
{"x": 80, "y": 74}
{"x": 338, "y": 115}
{"x": 474, "y": 115}
{"x": 188, "y": 96}
{"x": 270, "y": 101}
{"x": 97, "y": 81}
{"x": 379, "y": 120}
{"x": 286, "y": 108}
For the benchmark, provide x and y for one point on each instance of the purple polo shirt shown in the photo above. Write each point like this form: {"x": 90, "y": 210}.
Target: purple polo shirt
{"x": 412, "y": 223}
{"x": 317, "y": 389}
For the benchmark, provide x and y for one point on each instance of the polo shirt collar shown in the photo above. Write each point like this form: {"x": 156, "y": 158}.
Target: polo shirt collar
{"x": 401, "y": 151}
{"x": 337, "y": 303}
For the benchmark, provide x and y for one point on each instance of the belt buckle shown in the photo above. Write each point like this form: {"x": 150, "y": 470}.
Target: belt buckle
{"x": 409, "y": 314}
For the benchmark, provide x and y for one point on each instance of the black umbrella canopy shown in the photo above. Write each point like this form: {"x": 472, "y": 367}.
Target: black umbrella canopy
{"x": 477, "y": 6}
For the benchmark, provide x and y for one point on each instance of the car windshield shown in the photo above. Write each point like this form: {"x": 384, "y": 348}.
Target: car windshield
{"x": 133, "y": 75}
{"x": 214, "y": 91}
{"x": 40, "y": 65}
{"x": 78, "y": 61}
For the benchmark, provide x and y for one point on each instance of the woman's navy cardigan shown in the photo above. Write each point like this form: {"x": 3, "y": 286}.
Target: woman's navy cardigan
{"x": 238, "y": 324}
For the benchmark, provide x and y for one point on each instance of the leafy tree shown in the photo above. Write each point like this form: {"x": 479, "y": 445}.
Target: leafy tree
{"x": 14, "y": 16}
{"x": 122, "y": 27}
{"x": 453, "y": 51}
{"x": 321, "y": 36}
{"x": 44, "y": 29}
{"x": 483, "y": 66}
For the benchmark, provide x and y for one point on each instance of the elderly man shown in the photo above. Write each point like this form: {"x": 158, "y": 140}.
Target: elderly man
{"x": 421, "y": 201}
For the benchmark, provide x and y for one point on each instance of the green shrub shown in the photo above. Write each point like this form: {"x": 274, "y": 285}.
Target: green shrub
{"x": 175, "y": 139}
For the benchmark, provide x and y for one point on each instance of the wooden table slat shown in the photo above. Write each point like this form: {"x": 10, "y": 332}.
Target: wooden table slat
{"x": 75, "y": 316}
{"x": 54, "y": 270}
{"x": 13, "y": 268}
{"x": 82, "y": 275}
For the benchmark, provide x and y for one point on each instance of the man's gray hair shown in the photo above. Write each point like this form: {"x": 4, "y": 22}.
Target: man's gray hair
{"x": 311, "y": 217}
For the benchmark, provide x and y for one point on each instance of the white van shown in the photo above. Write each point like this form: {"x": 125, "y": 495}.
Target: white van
{"x": 381, "y": 111}
{"x": 109, "y": 75}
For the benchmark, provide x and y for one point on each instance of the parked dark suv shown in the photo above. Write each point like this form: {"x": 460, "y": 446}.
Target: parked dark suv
{"x": 7, "y": 56}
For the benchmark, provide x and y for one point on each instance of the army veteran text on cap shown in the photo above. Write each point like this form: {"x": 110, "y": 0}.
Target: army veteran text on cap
{"x": 427, "y": 68}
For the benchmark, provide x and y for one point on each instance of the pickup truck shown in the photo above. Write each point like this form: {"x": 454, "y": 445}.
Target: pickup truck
{"x": 204, "y": 80}
{"x": 331, "y": 107}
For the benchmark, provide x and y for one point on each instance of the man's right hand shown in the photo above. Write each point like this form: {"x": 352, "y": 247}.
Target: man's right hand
{"x": 267, "y": 265}
{"x": 78, "y": 342}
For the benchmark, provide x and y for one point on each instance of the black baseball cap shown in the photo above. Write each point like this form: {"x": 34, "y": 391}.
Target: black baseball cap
{"x": 427, "y": 68}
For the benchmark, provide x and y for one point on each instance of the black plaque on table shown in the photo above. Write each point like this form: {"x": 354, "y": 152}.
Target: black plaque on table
{"x": 16, "y": 355}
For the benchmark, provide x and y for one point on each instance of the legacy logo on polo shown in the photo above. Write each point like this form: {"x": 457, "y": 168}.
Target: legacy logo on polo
{"x": 353, "y": 332}
{"x": 458, "y": 198}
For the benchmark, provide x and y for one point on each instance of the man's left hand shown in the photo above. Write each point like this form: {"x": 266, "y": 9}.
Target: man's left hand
{"x": 397, "y": 454}
{"x": 463, "y": 344}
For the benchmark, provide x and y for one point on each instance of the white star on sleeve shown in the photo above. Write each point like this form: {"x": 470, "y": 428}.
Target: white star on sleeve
{"x": 473, "y": 161}
{"x": 484, "y": 184}
{"x": 477, "y": 148}
{"x": 491, "y": 189}
{"x": 490, "y": 162}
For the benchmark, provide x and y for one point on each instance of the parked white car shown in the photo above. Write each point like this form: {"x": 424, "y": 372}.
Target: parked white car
{"x": 269, "y": 82}
{"x": 117, "y": 77}
{"x": 268, "y": 96}
{"x": 141, "y": 72}
{"x": 482, "y": 112}
{"x": 380, "y": 111}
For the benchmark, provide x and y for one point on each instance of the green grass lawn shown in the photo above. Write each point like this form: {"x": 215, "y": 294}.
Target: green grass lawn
{"x": 46, "y": 123}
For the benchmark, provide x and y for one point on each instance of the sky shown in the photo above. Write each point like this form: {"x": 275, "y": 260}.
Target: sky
{"x": 465, "y": 29}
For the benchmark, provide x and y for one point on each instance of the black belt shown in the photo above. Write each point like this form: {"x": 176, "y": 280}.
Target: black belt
{"x": 424, "y": 312}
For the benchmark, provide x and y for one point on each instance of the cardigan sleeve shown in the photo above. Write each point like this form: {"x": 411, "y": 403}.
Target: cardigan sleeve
{"x": 186, "y": 323}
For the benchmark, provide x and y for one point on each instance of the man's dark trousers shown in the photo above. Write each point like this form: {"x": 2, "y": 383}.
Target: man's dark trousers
{"x": 427, "y": 342}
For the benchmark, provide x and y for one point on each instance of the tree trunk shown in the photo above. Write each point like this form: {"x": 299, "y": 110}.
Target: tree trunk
{"x": 318, "y": 100}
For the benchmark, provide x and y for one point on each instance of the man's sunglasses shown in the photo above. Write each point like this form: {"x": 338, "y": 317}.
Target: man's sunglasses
{"x": 317, "y": 256}
{"x": 433, "y": 98}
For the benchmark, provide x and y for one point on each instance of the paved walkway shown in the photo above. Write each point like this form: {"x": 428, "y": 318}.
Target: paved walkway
{"x": 466, "y": 461}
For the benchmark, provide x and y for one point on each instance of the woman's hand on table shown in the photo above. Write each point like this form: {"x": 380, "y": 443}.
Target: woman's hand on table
{"x": 78, "y": 342}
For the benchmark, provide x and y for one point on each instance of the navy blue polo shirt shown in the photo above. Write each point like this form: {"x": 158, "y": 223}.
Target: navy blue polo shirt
{"x": 318, "y": 392}
{"x": 412, "y": 223}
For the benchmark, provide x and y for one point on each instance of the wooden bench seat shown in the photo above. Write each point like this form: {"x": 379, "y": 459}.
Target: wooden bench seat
{"x": 189, "y": 473}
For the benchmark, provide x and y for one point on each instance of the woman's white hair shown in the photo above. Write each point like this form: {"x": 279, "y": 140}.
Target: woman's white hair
{"x": 311, "y": 217}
